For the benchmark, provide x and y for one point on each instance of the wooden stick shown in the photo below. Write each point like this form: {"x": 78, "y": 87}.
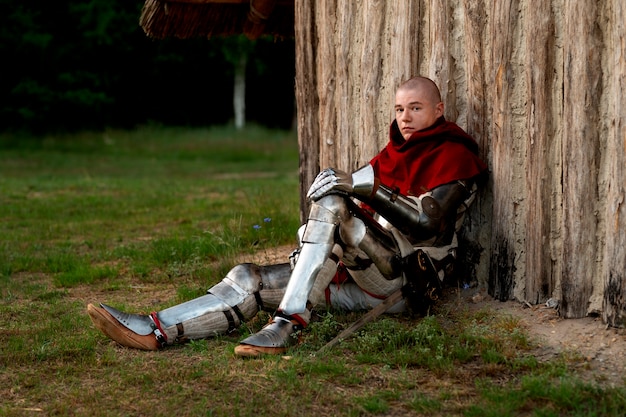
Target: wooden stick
{"x": 366, "y": 318}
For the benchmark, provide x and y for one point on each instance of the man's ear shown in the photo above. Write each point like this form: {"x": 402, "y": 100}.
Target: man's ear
{"x": 439, "y": 108}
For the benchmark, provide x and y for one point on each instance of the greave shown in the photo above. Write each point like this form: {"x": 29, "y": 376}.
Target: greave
{"x": 317, "y": 296}
{"x": 315, "y": 268}
{"x": 324, "y": 277}
{"x": 246, "y": 289}
{"x": 310, "y": 262}
{"x": 317, "y": 245}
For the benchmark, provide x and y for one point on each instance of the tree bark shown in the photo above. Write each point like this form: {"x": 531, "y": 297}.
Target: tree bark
{"x": 540, "y": 86}
{"x": 614, "y": 303}
{"x": 580, "y": 156}
{"x": 540, "y": 138}
{"x": 503, "y": 247}
{"x": 307, "y": 103}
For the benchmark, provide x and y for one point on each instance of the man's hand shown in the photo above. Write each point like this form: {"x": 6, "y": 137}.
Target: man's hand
{"x": 330, "y": 181}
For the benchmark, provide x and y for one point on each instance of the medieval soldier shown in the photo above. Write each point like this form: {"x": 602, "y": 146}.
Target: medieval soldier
{"x": 389, "y": 225}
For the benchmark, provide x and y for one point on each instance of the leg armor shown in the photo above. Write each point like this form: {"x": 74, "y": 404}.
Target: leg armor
{"x": 351, "y": 297}
{"x": 319, "y": 239}
{"x": 315, "y": 267}
{"x": 419, "y": 280}
{"x": 383, "y": 270}
{"x": 245, "y": 290}
{"x": 423, "y": 286}
{"x": 361, "y": 234}
{"x": 317, "y": 245}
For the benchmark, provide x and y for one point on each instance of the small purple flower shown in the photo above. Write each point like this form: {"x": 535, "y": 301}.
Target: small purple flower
{"x": 466, "y": 286}
{"x": 256, "y": 227}
{"x": 267, "y": 219}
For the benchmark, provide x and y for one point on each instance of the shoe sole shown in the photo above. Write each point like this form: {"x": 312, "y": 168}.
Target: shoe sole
{"x": 250, "y": 351}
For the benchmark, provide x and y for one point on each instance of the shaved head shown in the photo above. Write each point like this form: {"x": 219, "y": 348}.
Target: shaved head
{"x": 418, "y": 105}
{"x": 425, "y": 86}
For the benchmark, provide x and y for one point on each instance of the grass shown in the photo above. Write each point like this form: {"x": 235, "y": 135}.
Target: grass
{"x": 149, "y": 218}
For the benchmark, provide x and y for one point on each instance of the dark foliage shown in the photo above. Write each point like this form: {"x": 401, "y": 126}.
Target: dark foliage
{"x": 87, "y": 64}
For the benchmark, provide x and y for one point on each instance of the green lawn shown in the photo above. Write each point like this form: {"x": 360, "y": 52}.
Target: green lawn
{"x": 149, "y": 218}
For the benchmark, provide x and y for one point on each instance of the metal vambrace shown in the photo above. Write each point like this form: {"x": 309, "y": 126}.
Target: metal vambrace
{"x": 431, "y": 215}
{"x": 364, "y": 182}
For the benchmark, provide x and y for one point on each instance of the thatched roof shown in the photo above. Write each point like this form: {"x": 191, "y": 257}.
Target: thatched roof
{"x": 185, "y": 19}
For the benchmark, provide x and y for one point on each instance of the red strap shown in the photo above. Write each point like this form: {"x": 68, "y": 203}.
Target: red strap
{"x": 299, "y": 320}
{"x": 341, "y": 275}
{"x": 157, "y": 323}
{"x": 327, "y": 295}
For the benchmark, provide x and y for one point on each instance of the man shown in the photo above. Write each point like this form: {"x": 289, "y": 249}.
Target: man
{"x": 389, "y": 225}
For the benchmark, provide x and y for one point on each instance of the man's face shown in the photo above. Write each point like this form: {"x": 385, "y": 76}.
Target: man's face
{"x": 415, "y": 111}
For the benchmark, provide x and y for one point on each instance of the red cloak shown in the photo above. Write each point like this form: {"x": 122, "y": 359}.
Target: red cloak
{"x": 431, "y": 157}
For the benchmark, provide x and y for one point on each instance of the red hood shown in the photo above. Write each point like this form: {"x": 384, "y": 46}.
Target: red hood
{"x": 433, "y": 156}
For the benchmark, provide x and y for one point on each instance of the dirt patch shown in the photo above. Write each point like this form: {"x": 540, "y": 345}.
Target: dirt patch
{"x": 269, "y": 256}
{"x": 595, "y": 351}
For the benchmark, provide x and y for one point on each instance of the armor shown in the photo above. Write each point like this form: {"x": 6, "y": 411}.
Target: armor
{"x": 246, "y": 289}
{"x": 275, "y": 337}
{"x": 429, "y": 218}
{"x": 360, "y": 183}
{"x": 362, "y": 234}
{"x": 422, "y": 285}
{"x": 317, "y": 245}
{"x": 284, "y": 328}
{"x": 337, "y": 229}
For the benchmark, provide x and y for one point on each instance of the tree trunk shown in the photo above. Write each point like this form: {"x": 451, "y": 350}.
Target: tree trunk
{"x": 614, "y": 301}
{"x": 504, "y": 250}
{"x": 540, "y": 140}
{"x": 239, "y": 91}
{"x": 307, "y": 103}
{"x": 540, "y": 86}
{"x": 580, "y": 156}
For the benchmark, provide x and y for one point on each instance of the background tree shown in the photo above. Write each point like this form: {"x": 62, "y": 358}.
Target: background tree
{"x": 87, "y": 64}
{"x": 236, "y": 50}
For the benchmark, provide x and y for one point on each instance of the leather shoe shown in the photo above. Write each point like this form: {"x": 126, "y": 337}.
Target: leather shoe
{"x": 112, "y": 328}
{"x": 251, "y": 351}
{"x": 273, "y": 339}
